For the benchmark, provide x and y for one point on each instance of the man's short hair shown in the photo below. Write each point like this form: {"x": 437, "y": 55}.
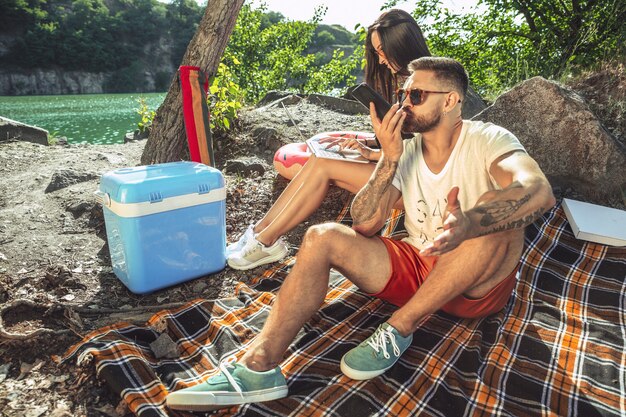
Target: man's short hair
{"x": 445, "y": 69}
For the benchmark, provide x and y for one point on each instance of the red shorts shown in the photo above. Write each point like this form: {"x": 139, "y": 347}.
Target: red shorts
{"x": 409, "y": 270}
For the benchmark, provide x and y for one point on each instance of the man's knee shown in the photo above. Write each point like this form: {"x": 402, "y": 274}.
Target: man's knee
{"x": 323, "y": 236}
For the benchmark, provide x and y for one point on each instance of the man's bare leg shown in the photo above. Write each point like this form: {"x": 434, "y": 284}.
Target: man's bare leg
{"x": 364, "y": 260}
{"x": 473, "y": 269}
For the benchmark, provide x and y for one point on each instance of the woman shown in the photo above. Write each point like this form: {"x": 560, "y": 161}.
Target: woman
{"x": 393, "y": 41}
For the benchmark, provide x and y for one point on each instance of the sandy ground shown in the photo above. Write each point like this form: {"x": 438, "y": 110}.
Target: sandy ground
{"x": 55, "y": 272}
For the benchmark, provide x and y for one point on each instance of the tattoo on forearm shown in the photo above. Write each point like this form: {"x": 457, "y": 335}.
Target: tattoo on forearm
{"x": 496, "y": 211}
{"x": 367, "y": 200}
{"x": 523, "y": 222}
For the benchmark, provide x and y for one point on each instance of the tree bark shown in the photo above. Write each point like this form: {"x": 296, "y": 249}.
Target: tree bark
{"x": 167, "y": 141}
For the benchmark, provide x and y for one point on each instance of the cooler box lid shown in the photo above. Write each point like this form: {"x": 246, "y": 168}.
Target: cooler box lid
{"x": 135, "y": 191}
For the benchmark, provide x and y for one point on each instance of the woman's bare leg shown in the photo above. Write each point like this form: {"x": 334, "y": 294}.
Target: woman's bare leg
{"x": 287, "y": 194}
{"x": 306, "y": 192}
{"x": 302, "y": 176}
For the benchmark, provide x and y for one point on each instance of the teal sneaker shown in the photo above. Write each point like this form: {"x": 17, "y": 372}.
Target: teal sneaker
{"x": 375, "y": 354}
{"x": 234, "y": 385}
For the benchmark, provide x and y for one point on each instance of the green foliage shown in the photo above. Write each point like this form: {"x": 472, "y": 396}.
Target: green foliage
{"x": 325, "y": 79}
{"x": 127, "y": 79}
{"x": 274, "y": 57}
{"x": 502, "y": 42}
{"x": 183, "y": 18}
{"x": 340, "y": 35}
{"x": 53, "y": 137}
{"x": 95, "y": 35}
{"x": 146, "y": 115}
{"x": 360, "y": 36}
{"x": 270, "y": 18}
{"x": 225, "y": 99}
{"x": 324, "y": 38}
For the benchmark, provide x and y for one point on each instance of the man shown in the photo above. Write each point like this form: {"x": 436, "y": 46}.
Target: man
{"x": 469, "y": 189}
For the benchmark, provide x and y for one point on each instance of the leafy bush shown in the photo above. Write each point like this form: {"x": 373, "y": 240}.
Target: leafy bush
{"x": 324, "y": 38}
{"x": 146, "y": 115}
{"x": 225, "y": 99}
{"x": 274, "y": 57}
{"x": 326, "y": 78}
{"x": 504, "y": 42}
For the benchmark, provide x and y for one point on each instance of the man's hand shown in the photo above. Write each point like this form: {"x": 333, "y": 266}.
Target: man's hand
{"x": 456, "y": 226}
{"x": 389, "y": 131}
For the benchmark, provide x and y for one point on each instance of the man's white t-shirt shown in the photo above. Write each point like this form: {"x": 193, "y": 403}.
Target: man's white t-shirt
{"x": 425, "y": 193}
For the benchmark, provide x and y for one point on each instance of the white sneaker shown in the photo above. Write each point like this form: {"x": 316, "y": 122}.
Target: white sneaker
{"x": 254, "y": 253}
{"x": 243, "y": 239}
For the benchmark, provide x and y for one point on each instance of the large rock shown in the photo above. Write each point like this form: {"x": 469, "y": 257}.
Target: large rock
{"x": 63, "y": 178}
{"x": 272, "y": 96}
{"x": 289, "y": 100}
{"x": 473, "y": 104}
{"x": 245, "y": 167}
{"x": 10, "y": 129}
{"x": 564, "y": 137}
{"x": 337, "y": 104}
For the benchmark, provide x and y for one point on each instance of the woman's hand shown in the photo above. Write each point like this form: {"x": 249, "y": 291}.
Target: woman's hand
{"x": 358, "y": 145}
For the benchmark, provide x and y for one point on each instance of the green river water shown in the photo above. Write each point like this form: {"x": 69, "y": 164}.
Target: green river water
{"x": 84, "y": 118}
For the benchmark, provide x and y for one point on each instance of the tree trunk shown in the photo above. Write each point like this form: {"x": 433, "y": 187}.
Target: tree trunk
{"x": 167, "y": 140}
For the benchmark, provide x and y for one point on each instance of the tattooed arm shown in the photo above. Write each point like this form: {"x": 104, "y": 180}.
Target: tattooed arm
{"x": 370, "y": 208}
{"x": 373, "y": 202}
{"x": 525, "y": 196}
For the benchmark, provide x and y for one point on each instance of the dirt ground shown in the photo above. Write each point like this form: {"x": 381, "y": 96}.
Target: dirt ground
{"x": 56, "y": 281}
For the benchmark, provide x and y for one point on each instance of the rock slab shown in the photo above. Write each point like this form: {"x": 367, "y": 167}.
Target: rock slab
{"x": 11, "y": 130}
{"x": 473, "y": 104}
{"x": 65, "y": 177}
{"x": 567, "y": 140}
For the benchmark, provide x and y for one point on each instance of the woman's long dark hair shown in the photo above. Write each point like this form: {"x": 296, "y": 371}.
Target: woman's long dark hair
{"x": 402, "y": 41}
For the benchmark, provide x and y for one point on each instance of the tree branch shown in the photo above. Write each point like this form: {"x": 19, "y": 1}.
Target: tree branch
{"x": 526, "y": 12}
{"x": 589, "y": 5}
{"x": 532, "y": 37}
{"x": 547, "y": 23}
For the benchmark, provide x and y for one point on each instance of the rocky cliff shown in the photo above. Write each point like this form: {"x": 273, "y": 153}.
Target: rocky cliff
{"x": 50, "y": 81}
{"x": 151, "y": 73}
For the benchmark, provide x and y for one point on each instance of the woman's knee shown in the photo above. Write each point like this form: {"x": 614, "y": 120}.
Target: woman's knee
{"x": 312, "y": 162}
{"x": 321, "y": 166}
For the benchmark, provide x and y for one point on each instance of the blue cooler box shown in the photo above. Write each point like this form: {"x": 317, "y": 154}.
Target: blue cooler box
{"x": 165, "y": 223}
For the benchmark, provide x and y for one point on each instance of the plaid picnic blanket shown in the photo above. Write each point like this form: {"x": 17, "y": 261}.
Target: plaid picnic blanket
{"x": 557, "y": 349}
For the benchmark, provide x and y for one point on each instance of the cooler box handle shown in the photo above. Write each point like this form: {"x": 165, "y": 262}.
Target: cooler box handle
{"x": 103, "y": 198}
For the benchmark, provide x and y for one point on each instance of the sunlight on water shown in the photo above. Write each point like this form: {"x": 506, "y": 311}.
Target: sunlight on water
{"x": 86, "y": 118}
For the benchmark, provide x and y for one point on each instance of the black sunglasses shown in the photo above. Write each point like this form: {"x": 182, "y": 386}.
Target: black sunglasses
{"x": 416, "y": 96}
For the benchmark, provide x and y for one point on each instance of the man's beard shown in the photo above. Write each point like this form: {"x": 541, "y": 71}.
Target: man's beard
{"x": 420, "y": 124}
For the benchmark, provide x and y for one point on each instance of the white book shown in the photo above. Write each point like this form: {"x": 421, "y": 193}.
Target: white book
{"x": 596, "y": 223}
